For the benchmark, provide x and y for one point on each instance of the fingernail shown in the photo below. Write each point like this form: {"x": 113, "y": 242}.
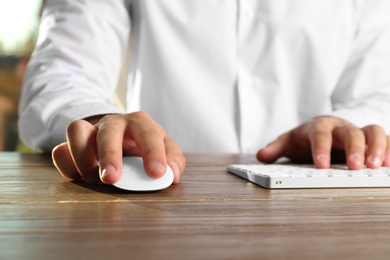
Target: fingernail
{"x": 155, "y": 168}
{"x": 108, "y": 170}
{"x": 357, "y": 158}
{"x": 375, "y": 159}
{"x": 322, "y": 158}
{"x": 322, "y": 161}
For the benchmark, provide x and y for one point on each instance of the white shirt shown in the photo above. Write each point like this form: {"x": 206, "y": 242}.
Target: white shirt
{"x": 219, "y": 76}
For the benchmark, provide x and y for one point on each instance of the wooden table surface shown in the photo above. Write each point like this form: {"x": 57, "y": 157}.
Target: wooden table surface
{"x": 211, "y": 214}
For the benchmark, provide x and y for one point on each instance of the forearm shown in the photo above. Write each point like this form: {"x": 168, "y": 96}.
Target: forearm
{"x": 74, "y": 70}
{"x": 42, "y": 125}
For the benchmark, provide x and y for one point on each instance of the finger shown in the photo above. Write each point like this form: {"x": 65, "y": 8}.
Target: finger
{"x": 274, "y": 150}
{"x": 149, "y": 138}
{"x": 109, "y": 140}
{"x": 386, "y": 161}
{"x": 63, "y": 161}
{"x": 376, "y": 145}
{"x": 175, "y": 158}
{"x": 81, "y": 136}
{"x": 321, "y": 145}
{"x": 353, "y": 140}
{"x": 130, "y": 147}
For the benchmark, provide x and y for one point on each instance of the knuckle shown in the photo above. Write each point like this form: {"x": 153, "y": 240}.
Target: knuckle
{"x": 146, "y": 123}
{"x": 74, "y": 127}
{"x": 151, "y": 151}
{"x": 320, "y": 131}
{"x": 328, "y": 122}
{"x": 349, "y": 130}
{"x": 353, "y": 130}
{"x": 107, "y": 153}
{"x": 108, "y": 126}
{"x": 103, "y": 131}
{"x": 139, "y": 115}
{"x": 320, "y": 121}
{"x": 109, "y": 119}
{"x": 374, "y": 129}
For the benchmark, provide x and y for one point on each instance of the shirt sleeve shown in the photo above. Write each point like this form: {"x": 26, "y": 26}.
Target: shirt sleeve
{"x": 74, "y": 70}
{"x": 362, "y": 96}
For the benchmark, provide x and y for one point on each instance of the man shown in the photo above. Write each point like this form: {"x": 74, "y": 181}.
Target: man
{"x": 208, "y": 76}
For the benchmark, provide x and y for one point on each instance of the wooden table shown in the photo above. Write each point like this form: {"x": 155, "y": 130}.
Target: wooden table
{"x": 211, "y": 214}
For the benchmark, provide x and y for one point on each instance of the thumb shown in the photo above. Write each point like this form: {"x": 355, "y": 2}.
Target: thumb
{"x": 274, "y": 150}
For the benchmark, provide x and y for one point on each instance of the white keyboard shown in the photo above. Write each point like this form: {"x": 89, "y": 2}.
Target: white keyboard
{"x": 276, "y": 176}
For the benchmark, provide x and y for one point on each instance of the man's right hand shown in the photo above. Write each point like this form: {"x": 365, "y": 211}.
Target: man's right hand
{"x": 95, "y": 147}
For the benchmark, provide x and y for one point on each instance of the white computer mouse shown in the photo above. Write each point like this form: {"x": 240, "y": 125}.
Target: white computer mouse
{"x": 134, "y": 177}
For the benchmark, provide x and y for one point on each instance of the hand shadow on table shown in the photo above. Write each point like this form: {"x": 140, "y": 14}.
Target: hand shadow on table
{"x": 106, "y": 188}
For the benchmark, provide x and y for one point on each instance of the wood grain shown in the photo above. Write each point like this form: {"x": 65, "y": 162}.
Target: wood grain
{"x": 211, "y": 214}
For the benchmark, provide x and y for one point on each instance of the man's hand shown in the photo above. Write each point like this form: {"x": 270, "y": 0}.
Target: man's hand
{"x": 95, "y": 148}
{"x": 320, "y": 139}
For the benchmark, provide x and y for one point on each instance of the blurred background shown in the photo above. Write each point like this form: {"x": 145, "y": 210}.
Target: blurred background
{"x": 19, "y": 21}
